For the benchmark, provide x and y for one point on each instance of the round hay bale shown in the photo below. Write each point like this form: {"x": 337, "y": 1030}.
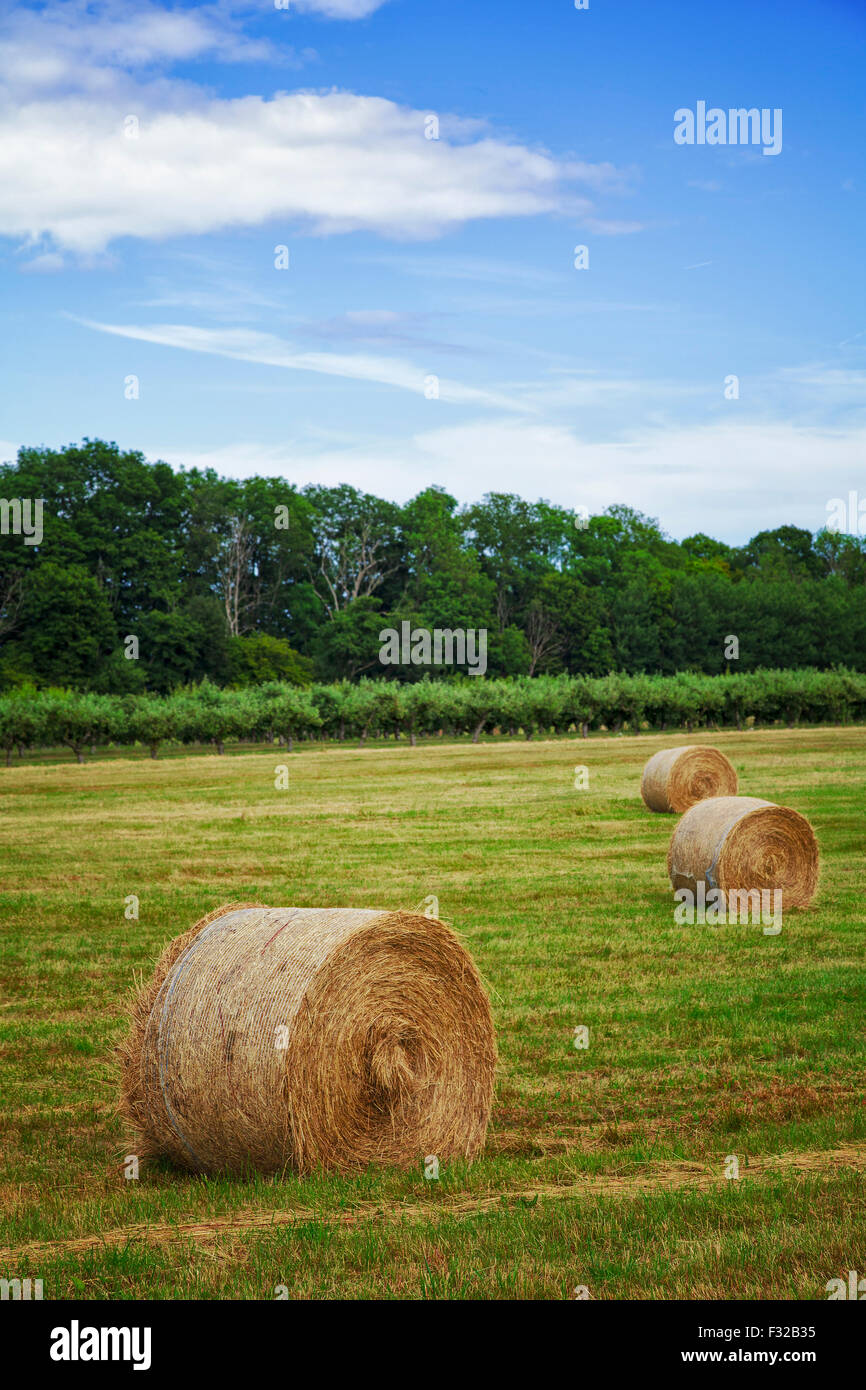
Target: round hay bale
{"x": 676, "y": 778}
{"x": 744, "y": 843}
{"x": 310, "y": 1037}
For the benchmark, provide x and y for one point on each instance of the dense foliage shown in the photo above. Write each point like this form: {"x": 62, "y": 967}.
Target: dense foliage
{"x": 246, "y": 582}
{"x": 275, "y": 711}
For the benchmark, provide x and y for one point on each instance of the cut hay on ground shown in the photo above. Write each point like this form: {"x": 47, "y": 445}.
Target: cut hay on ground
{"x": 742, "y": 842}
{"x": 304, "y": 1037}
{"x": 677, "y": 778}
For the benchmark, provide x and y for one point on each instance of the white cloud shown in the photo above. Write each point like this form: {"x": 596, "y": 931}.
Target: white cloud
{"x": 335, "y": 162}
{"x": 87, "y": 45}
{"x": 73, "y": 72}
{"x": 729, "y": 481}
{"x": 247, "y": 345}
{"x": 47, "y": 264}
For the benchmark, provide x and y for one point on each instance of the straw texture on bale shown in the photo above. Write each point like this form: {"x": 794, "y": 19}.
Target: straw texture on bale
{"x": 310, "y": 1037}
{"x": 744, "y": 843}
{"x": 676, "y": 778}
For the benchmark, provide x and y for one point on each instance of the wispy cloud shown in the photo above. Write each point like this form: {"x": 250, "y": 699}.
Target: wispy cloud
{"x": 91, "y": 45}
{"x": 246, "y": 345}
{"x": 339, "y": 9}
{"x": 824, "y": 377}
{"x": 478, "y": 269}
{"x": 602, "y": 226}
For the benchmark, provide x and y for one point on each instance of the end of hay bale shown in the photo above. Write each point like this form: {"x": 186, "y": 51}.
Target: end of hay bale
{"x": 744, "y": 843}
{"x": 675, "y": 779}
{"x": 389, "y": 1063}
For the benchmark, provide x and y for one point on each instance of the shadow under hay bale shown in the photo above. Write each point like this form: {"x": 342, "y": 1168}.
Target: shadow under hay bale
{"x": 741, "y": 842}
{"x": 676, "y": 778}
{"x": 310, "y": 1037}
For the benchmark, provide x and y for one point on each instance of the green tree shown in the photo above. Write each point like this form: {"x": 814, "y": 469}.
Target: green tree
{"x": 66, "y": 629}
{"x": 258, "y": 658}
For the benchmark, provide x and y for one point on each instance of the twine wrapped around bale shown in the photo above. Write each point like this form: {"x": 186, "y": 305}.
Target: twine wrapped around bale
{"x": 310, "y": 1037}
{"x": 741, "y": 842}
{"x": 676, "y": 778}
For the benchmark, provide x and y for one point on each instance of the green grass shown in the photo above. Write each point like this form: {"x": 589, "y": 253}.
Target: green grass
{"x": 704, "y": 1041}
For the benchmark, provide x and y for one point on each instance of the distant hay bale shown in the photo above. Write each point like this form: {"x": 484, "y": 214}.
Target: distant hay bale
{"x": 310, "y": 1037}
{"x": 744, "y": 843}
{"x": 676, "y": 778}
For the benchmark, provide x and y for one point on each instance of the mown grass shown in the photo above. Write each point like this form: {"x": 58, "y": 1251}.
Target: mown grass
{"x": 704, "y": 1042}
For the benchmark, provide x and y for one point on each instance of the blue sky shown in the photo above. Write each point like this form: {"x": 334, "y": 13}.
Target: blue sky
{"x": 412, "y": 258}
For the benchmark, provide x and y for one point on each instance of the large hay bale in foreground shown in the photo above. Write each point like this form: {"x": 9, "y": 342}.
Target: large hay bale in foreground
{"x": 675, "y": 778}
{"x": 743, "y": 842}
{"x": 303, "y": 1037}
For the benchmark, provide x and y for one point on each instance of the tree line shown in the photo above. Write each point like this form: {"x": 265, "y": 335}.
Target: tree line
{"x": 147, "y": 580}
{"x": 279, "y": 712}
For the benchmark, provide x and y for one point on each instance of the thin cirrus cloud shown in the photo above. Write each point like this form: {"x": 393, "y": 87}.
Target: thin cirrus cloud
{"x": 246, "y": 345}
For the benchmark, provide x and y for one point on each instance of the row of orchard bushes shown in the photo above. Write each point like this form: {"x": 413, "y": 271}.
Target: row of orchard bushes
{"x": 206, "y": 714}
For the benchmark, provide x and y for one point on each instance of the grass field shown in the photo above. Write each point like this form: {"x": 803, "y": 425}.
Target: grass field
{"x": 604, "y": 1167}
